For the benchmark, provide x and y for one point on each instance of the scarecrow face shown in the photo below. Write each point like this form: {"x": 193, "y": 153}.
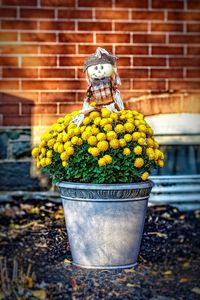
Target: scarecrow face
{"x": 100, "y": 71}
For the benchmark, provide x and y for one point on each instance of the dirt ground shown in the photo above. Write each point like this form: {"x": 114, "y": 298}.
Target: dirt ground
{"x": 35, "y": 258}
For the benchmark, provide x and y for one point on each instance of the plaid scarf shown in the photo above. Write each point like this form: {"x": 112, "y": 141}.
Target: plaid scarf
{"x": 101, "y": 88}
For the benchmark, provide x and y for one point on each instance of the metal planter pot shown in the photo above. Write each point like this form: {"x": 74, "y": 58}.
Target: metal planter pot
{"x": 105, "y": 222}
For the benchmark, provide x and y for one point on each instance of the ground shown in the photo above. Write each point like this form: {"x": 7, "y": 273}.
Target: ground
{"x": 35, "y": 258}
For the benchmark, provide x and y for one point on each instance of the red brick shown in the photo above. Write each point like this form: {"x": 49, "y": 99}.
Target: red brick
{"x": 8, "y": 61}
{"x": 16, "y": 97}
{"x": 71, "y": 61}
{"x": 183, "y": 16}
{"x": 18, "y": 49}
{"x": 8, "y": 12}
{"x": 149, "y": 61}
{"x": 20, "y": 2}
{"x": 45, "y": 120}
{"x": 166, "y": 50}
{"x": 96, "y": 3}
{"x": 193, "y": 50}
{"x": 184, "y": 85}
{"x": 38, "y": 61}
{"x": 166, "y": 27}
{"x": 62, "y": 25}
{"x": 9, "y": 108}
{"x": 9, "y": 85}
{"x": 148, "y": 84}
{"x": 75, "y": 37}
{"x": 170, "y": 4}
{"x": 58, "y": 97}
{"x": 185, "y": 39}
{"x": 25, "y": 25}
{"x": 97, "y": 26}
{"x": 66, "y": 108}
{"x": 47, "y": 108}
{"x": 8, "y": 36}
{"x": 132, "y": 4}
{"x": 20, "y": 73}
{"x": 149, "y": 38}
{"x": 128, "y": 26}
{"x": 133, "y": 73}
{"x": 16, "y": 120}
{"x": 38, "y": 37}
{"x": 57, "y": 73}
{"x": 166, "y": 73}
{"x": 123, "y": 62}
{"x": 193, "y": 73}
{"x": 193, "y": 27}
{"x": 112, "y": 14}
{"x": 129, "y": 50}
{"x": 184, "y": 62}
{"x": 53, "y": 85}
{"x": 113, "y": 38}
{"x": 85, "y": 49}
{"x": 56, "y": 3}
{"x": 74, "y": 14}
{"x": 148, "y": 15}
{"x": 57, "y": 49}
{"x": 81, "y": 74}
{"x": 37, "y": 13}
{"x": 193, "y": 4}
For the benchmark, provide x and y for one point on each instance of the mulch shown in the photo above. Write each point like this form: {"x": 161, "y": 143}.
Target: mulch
{"x": 35, "y": 258}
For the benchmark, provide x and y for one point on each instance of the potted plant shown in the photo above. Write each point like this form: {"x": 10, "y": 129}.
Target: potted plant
{"x": 101, "y": 158}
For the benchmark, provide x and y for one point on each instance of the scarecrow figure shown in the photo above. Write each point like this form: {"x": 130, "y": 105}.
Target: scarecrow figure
{"x": 103, "y": 81}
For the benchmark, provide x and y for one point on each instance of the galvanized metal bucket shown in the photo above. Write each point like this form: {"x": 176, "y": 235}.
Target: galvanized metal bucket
{"x": 105, "y": 222}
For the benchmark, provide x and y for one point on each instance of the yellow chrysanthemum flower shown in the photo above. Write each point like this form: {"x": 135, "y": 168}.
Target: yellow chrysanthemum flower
{"x": 79, "y": 142}
{"x": 59, "y": 137}
{"x": 102, "y": 162}
{"x": 35, "y": 152}
{"x": 49, "y": 153}
{"x": 86, "y": 120}
{"x": 92, "y": 140}
{"x": 136, "y": 135}
{"x": 77, "y": 131}
{"x": 156, "y": 145}
{"x": 141, "y": 141}
{"x": 101, "y": 136}
{"x": 105, "y": 112}
{"x": 43, "y": 162}
{"x": 137, "y": 150}
{"x": 129, "y": 127}
{"x": 108, "y": 158}
{"x": 114, "y": 144}
{"x": 111, "y": 135}
{"x": 122, "y": 142}
{"x": 142, "y": 128}
{"x": 160, "y": 163}
{"x": 85, "y": 135}
{"x": 114, "y": 116}
{"x": 64, "y": 156}
{"x": 107, "y": 127}
{"x": 94, "y": 114}
{"x": 70, "y": 132}
{"x": 64, "y": 163}
{"x": 126, "y": 151}
{"x": 139, "y": 162}
{"x": 74, "y": 140}
{"x": 66, "y": 137}
{"x": 128, "y": 137}
{"x": 70, "y": 151}
{"x": 60, "y": 148}
{"x": 103, "y": 122}
{"x": 150, "y": 131}
{"x": 82, "y": 128}
{"x": 97, "y": 121}
{"x": 67, "y": 144}
{"x": 119, "y": 128}
{"x": 145, "y": 176}
{"x": 102, "y": 145}
{"x": 94, "y": 151}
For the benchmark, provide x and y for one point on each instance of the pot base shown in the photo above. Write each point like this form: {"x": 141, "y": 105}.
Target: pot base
{"x": 105, "y": 267}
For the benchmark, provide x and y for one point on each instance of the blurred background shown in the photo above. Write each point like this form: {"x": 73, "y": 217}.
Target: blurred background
{"x": 43, "y": 47}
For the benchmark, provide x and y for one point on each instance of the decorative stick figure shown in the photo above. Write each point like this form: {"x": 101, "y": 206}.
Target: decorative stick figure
{"x": 103, "y": 81}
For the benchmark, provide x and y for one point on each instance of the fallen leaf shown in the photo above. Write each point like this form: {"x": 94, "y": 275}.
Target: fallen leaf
{"x": 196, "y": 290}
{"x": 29, "y": 282}
{"x": 167, "y": 273}
{"x": 159, "y": 234}
{"x": 40, "y": 294}
{"x": 186, "y": 265}
{"x": 67, "y": 261}
{"x": 133, "y": 285}
{"x": 183, "y": 280}
{"x": 129, "y": 271}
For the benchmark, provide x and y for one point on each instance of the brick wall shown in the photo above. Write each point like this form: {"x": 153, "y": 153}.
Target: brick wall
{"x": 44, "y": 44}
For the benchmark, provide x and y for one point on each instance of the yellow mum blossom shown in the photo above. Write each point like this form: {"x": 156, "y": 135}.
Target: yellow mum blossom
{"x": 88, "y": 128}
{"x": 102, "y": 145}
{"x": 49, "y": 153}
{"x": 122, "y": 142}
{"x": 94, "y": 114}
{"x": 67, "y": 144}
{"x": 103, "y": 122}
{"x": 107, "y": 127}
{"x": 129, "y": 127}
{"x": 77, "y": 131}
{"x": 64, "y": 163}
{"x": 85, "y": 135}
{"x": 79, "y": 142}
{"x": 128, "y": 137}
{"x": 46, "y": 137}
{"x": 51, "y": 142}
{"x": 71, "y": 126}
{"x": 66, "y": 137}
{"x": 111, "y": 135}
{"x": 119, "y": 128}
{"x": 142, "y": 128}
{"x": 55, "y": 147}
{"x": 101, "y": 136}
{"x": 70, "y": 151}
{"x": 42, "y": 144}
{"x": 160, "y": 163}
{"x": 137, "y": 150}
{"x": 93, "y": 103}
{"x": 114, "y": 116}
{"x": 102, "y": 162}
{"x": 67, "y": 119}
{"x": 150, "y": 142}
{"x": 86, "y": 120}
{"x": 95, "y": 130}
{"x": 126, "y": 151}
{"x": 60, "y": 120}
{"x": 60, "y": 148}
{"x": 150, "y": 131}
{"x": 82, "y": 128}
{"x": 137, "y": 122}
{"x": 108, "y": 158}
{"x": 94, "y": 151}
{"x": 156, "y": 145}
{"x": 114, "y": 144}
{"x": 74, "y": 140}
{"x": 43, "y": 151}
{"x": 97, "y": 121}
{"x": 35, "y": 152}
{"x": 92, "y": 140}
{"x": 105, "y": 112}
{"x": 141, "y": 141}
{"x": 136, "y": 135}
{"x": 64, "y": 156}
{"x": 43, "y": 162}
{"x": 70, "y": 133}
{"x": 139, "y": 162}
{"x": 59, "y": 137}
{"x": 145, "y": 176}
